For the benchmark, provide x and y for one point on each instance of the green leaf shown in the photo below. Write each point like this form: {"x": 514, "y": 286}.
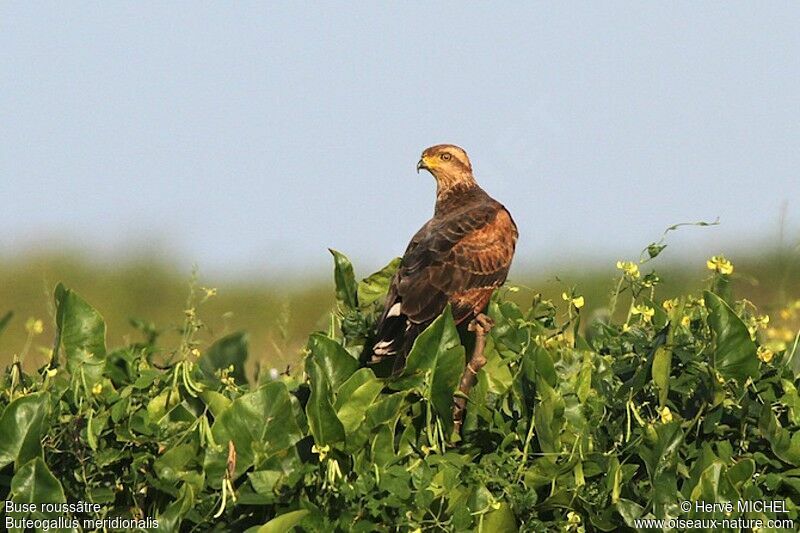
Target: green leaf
{"x": 500, "y": 520}
{"x": 545, "y": 369}
{"x": 90, "y": 434}
{"x": 785, "y": 444}
{"x": 282, "y": 523}
{"x": 382, "y": 448}
{"x": 34, "y": 483}
{"x": 325, "y": 426}
{"x": 584, "y": 385}
{"x": 260, "y": 423}
{"x": 384, "y": 410}
{"x": 375, "y": 287}
{"x": 741, "y": 472}
{"x": 662, "y": 366}
{"x": 735, "y": 354}
{"x": 434, "y": 366}
{"x": 500, "y": 376}
{"x": 172, "y": 465}
{"x": 21, "y": 428}
{"x": 629, "y": 511}
{"x": 170, "y": 519}
{"x": 216, "y": 402}
{"x": 344, "y": 280}
{"x": 707, "y": 489}
{"x": 660, "y": 448}
{"x": 439, "y": 337}
{"x": 264, "y": 481}
{"x": 227, "y": 351}
{"x": 81, "y": 331}
{"x": 549, "y": 419}
{"x": 332, "y": 358}
{"x": 354, "y": 397}
{"x": 444, "y": 382}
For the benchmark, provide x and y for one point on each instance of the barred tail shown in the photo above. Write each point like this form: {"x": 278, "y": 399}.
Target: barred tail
{"x": 394, "y": 338}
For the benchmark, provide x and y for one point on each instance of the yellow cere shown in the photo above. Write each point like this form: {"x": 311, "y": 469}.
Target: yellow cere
{"x": 430, "y": 162}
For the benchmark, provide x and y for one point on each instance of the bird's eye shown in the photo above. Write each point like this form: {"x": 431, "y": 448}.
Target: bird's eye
{"x": 446, "y": 156}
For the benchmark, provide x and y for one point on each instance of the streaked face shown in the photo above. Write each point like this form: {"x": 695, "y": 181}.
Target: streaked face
{"x": 445, "y": 160}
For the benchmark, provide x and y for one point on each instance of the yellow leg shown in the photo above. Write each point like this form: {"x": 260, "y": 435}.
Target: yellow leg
{"x": 481, "y": 325}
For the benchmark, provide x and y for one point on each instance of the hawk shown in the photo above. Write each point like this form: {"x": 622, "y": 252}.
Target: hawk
{"x": 460, "y": 256}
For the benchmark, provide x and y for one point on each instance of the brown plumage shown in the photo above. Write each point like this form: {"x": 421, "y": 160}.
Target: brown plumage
{"x": 459, "y": 256}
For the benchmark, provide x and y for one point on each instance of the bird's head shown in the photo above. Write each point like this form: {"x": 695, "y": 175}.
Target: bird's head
{"x": 447, "y": 163}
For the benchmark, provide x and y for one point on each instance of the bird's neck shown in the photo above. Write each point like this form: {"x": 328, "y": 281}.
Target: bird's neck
{"x": 451, "y": 191}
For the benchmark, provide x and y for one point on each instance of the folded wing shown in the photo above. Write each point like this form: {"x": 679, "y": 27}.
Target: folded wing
{"x": 458, "y": 259}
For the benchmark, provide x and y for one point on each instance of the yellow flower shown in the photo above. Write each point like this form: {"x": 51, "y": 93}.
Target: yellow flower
{"x": 34, "y": 326}
{"x": 578, "y": 301}
{"x": 719, "y": 264}
{"x": 210, "y": 292}
{"x": 195, "y": 352}
{"x": 97, "y": 389}
{"x": 685, "y": 321}
{"x": 51, "y": 373}
{"x": 765, "y": 354}
{"x": 669, "y": 305}
{"x": 761, "y": 321}
{"x": 630, "y": 269}
{"x": 625, "y": 328}
{"x": 322, "y": 451}
{"x": 666, "y": 415}
{"x": 646, "y": 312}
{"x": 573, "y": 517}
{"x": 555, "y": 340}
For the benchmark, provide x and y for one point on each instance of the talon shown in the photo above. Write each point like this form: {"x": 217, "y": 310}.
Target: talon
{"x": 481, "y": 324}
{"x": 485, "y": 321}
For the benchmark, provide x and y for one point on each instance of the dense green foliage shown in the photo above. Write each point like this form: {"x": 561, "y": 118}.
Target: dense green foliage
{"x": 567, "y": 428}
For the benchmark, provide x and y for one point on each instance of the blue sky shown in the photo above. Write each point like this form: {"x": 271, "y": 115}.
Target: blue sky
{"x": 249, "y": 137}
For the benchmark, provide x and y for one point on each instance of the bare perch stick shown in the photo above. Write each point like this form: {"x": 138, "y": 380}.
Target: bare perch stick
{"x": 481, "y": 326}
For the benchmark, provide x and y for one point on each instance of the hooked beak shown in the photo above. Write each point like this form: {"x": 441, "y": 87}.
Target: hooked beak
{"x": 421, "y": 164}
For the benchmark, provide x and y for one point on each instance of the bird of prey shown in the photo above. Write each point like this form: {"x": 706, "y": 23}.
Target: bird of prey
{"x": 460, "y": 256}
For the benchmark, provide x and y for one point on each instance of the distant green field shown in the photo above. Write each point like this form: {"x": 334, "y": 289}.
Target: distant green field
{"x": 573, "y": 424}
{"x": 279, "y": 316}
